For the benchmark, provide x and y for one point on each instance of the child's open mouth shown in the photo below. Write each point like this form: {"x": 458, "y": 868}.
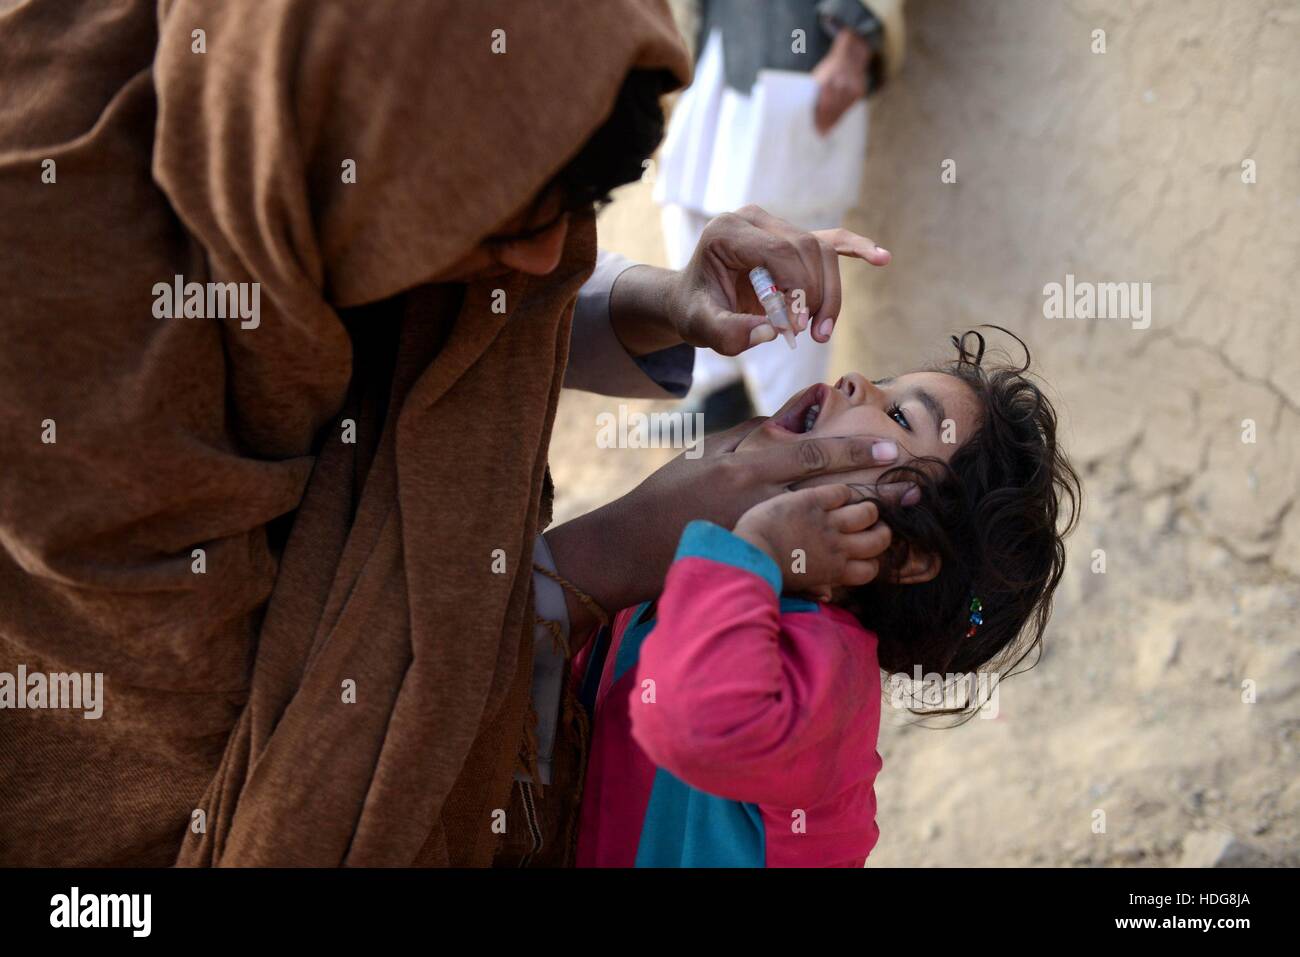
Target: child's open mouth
{"x": 803, "y": 412}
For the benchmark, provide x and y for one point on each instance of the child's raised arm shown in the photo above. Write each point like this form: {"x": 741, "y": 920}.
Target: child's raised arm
{"x": 734, "y": 698}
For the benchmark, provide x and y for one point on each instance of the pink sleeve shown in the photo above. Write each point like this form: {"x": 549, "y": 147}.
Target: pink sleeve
{"x": 728, "y": 700}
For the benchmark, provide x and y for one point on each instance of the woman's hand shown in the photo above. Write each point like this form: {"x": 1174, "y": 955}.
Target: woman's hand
{"x": 711, "y": 302}
{"x": 820, "y": 538}
{"x": 722, "y": 484}
{"x": 620, "y": 553}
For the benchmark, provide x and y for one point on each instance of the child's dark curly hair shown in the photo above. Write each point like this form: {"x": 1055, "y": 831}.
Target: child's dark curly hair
{"x": 995, "y": 515}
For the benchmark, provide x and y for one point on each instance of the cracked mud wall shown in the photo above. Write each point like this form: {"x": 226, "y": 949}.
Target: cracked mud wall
{"x": 1124, "y": 166}
{"x": 1117, "y": 167}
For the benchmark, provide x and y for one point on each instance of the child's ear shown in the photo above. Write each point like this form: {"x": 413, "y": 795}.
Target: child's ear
{"x": 919, "y": 567}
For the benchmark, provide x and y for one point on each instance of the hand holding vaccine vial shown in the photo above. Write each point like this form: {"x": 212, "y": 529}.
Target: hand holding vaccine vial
{"x": 773, "y": 302}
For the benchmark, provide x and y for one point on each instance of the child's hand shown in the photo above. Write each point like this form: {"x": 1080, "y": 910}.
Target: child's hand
{"x": 820, "y": 537}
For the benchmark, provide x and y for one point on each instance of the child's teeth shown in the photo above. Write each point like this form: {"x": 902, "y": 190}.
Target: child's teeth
{"x": 810, "y": 417}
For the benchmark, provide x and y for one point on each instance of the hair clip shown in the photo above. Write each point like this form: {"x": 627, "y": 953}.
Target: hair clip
{"x": 976, "y": 616}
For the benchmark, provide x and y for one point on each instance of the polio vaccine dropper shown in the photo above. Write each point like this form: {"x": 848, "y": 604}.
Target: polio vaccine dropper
{"x": 773, "y": 302}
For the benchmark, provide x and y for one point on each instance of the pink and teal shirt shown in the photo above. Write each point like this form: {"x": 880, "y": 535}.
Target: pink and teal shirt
{"x": 733, "y": 727}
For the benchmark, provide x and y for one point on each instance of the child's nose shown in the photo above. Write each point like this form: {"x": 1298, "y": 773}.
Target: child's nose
{"x": 858, "y": 389}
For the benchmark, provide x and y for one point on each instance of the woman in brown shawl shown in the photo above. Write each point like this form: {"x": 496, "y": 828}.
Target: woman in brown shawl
{"x": 297, "y": 546}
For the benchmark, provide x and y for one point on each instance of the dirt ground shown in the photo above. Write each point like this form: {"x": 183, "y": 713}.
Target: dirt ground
{"x": 1162, "y": 725}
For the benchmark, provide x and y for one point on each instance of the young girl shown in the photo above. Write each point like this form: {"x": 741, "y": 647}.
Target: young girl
{"x": 736, "y": 717}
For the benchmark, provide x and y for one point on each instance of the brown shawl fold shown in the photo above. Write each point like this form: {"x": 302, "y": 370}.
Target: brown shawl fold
{"x": 332, "y": 567}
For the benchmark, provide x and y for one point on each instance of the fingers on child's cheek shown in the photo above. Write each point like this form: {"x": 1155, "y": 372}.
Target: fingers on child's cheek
{"x": 856, "y": 518}
{"x": 867, "y": 477}
{"x": 882, "y": 534}
{"x": 859, "y": 572}
{"x": 871, "y": 543}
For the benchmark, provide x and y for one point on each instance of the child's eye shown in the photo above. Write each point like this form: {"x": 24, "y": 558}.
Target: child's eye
{"x": 899, "y": 416}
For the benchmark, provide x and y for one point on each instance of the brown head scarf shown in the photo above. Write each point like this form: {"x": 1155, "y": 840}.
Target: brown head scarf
{"x": 358, "y": 458}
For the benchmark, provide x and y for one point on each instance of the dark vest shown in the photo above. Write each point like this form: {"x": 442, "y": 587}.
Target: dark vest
{"x": 756, "y": 35}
